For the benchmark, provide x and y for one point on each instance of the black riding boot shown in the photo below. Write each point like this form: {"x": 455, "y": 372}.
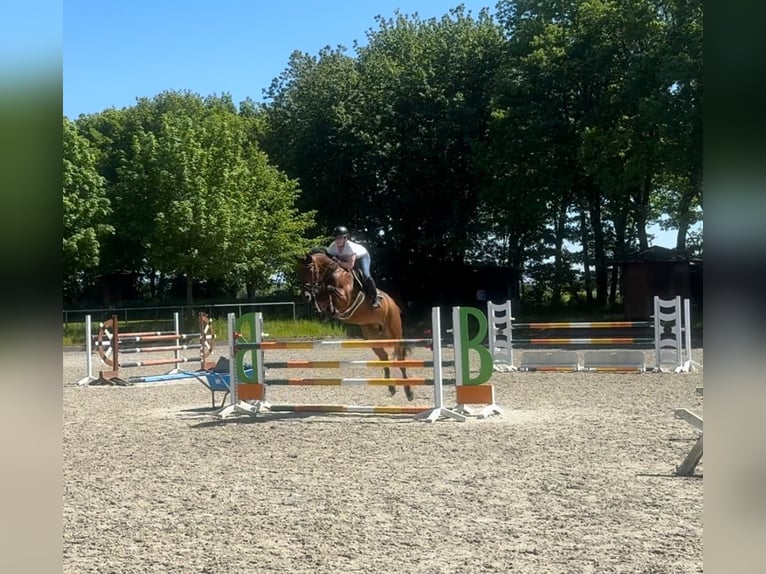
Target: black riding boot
{"x": 372, "y": 293}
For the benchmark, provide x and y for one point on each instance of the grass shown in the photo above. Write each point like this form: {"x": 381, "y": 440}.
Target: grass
{"x": 74, "y": 333}
{"x": 299, "y": 329}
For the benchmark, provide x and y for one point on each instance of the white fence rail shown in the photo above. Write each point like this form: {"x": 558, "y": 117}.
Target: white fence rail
{"x": 163, "y": 312}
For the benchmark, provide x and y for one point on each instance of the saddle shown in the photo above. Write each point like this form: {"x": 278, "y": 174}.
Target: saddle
{"x": 366, "y": 288}
{"x": 359, "y": 279}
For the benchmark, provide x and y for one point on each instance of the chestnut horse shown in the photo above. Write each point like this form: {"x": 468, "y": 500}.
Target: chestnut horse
{"x": 336, "y": 293}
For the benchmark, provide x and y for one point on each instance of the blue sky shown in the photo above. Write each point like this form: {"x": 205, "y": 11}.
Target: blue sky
{"x": 30, "y": 40}
{"x": 117, "y": 51}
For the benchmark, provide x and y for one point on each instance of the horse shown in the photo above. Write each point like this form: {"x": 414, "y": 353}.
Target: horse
{"x": 338, "y": 293}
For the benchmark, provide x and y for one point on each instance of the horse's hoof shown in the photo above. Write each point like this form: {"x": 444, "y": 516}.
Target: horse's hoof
{"x": 392, "y": 391}
{"x": 410, "y": 394}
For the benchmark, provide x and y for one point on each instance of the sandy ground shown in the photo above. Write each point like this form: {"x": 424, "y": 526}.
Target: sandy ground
{"x": 577, "y": 476}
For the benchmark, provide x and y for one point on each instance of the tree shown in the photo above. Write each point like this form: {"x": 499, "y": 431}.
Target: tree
{"x": 683, "y": 95}
{"x": 591, "y": 79}
{"x": 86, "y": 208}
{"x": 193, "y": 194}
{"x": 310, "y": 135}
{"x": 378, "y": 141}
{"x": 427, "y": 89}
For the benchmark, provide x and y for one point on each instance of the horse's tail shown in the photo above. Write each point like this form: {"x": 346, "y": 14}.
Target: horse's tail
{"x": 395, "y": 321}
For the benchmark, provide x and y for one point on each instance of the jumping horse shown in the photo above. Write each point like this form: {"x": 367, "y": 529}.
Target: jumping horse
{"x": 340, "y": 294}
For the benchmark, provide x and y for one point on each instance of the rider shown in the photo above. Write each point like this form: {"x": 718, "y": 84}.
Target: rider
{"x": 348, "y": 253}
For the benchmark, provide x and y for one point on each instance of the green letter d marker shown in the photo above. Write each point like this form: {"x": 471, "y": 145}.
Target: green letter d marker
{"x": 244, "y": 324}
{"x": 466, "y": 343}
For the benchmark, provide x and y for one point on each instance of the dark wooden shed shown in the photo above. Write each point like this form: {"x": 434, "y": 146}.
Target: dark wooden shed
{"x": 463, "y": 284}
{"x": 117, "y": 287}
{"x": 658, "y": 271}
{"x": 491, "y": 283}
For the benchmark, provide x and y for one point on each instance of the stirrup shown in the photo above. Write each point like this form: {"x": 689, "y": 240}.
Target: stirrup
{"x": 375, "y": 302}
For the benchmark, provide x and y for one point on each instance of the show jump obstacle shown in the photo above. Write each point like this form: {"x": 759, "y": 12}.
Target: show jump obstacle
{"x": 247, "y": 386}
{"x": 669, "y": 333}
{"x": 111, "y": 343}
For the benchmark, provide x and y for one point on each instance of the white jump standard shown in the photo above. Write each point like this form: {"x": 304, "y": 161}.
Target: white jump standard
{"x": 669, "y": 333}
{"x": 248, "y": 390}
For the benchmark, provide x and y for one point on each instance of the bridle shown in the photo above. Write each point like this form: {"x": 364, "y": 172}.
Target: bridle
{"x": 320, "y": 284}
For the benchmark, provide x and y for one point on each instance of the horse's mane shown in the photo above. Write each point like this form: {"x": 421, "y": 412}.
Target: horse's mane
{"x": 328, "y": 260}
{"x": 332, "y": 262}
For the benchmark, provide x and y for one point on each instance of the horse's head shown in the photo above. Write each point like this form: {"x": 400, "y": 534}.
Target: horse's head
{"x": 316, "y": 276}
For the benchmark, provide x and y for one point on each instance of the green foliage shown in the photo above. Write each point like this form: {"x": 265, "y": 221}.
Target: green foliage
{"x": 589, "y": 117}
{"x": 510, "y": 140}
{"x": 377, "y": 139}
{"x": 86, "y": 207}
{"x": 193, "y": 195}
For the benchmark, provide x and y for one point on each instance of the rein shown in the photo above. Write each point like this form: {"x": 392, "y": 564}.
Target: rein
{"x": 353, "y": 307}
{"x": 322, "y": 279}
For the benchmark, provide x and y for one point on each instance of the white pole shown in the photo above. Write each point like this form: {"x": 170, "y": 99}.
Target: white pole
{"x": 232, "y": 360}
{"x": 177, "y": 325}
{"x": 260, "y": 366}
{"x": 492, "y": 335}
{"x": 259, "y": 355}
{"x": 657, "y": 362}
{"x": 688, "y": 330}
{"x": 456, "y": 345}
{"x": 509, "y": 332}
{"x": 439, "y": 410}
{"x": 678, "y": 328}
{"x": 88, "y": 353}
{"x": 436, "y": 330}
{"x": 177, "y": 352}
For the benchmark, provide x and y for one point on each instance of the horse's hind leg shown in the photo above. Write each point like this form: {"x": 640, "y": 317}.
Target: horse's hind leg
{"x": 383, "y": 356}
{"x": 407, "y": 388}
{"x": 400, "y": 353}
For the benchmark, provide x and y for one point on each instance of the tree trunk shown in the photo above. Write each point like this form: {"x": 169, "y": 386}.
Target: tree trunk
{"x": 189, "y": 283}
{"x": 640, "y": 213}
{"x": 152, "y": 284}
{"x": 599, "y": 250}
{"x": 516, "y": 260}
{"x": 620, "y": 226}
{"x": 162, "y": 285}
{"x": 684, "y": 209}
{"x": 684, "y": 222}
{"x": 558, "y": 261}
{"x": 586, "y": 263}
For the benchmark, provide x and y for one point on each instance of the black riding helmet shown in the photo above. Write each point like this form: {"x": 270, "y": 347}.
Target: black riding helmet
{"x": 340, "y": 231}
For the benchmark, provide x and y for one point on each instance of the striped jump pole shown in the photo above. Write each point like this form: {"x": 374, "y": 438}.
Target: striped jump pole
{"x": 350, "y": 344}
{"x": 248, "y": 392}
{"x": 667, "y": 332}
{"x": 588, "y": 341}
{"x": 353, "y": 409}
{"x": 405, "y": 363}
{"x": 354, "y": 382}
{"x": 109, "y": 344}
{"x": 585, "y": 325}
